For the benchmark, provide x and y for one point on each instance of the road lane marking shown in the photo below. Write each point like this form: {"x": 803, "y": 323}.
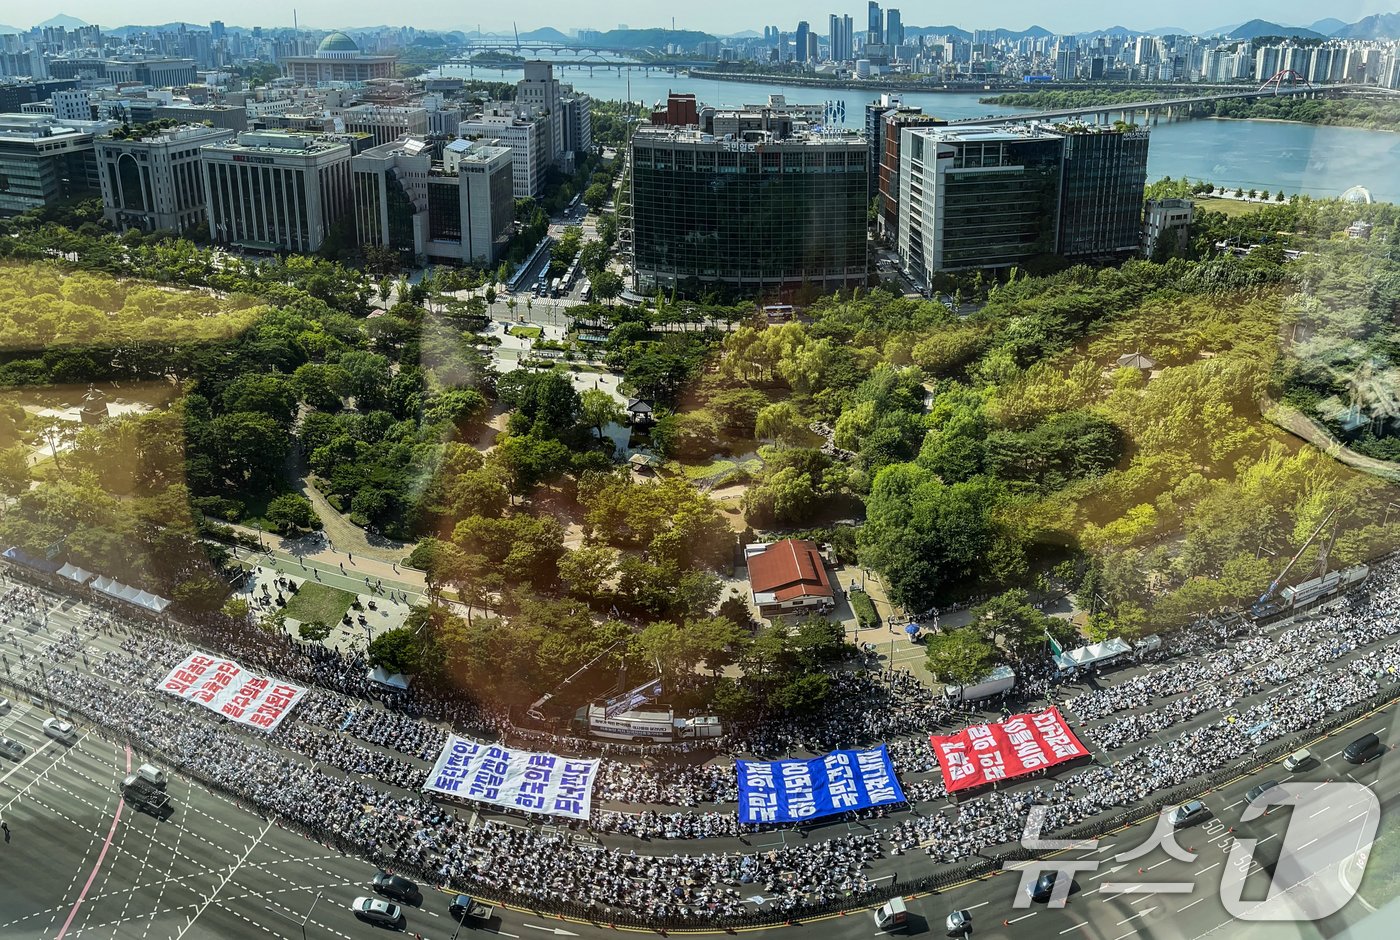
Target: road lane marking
{"x": 1022, "y": 917}
{"x": 1208, "y": 868}
{"x": 111, "y": 833}
{"x": 1324, "y": 809}
{"x": 1109, "y": 872}
{"x": 1135, "y": 916}
{"x": 1159, "y": 864}
{"x": 973, "y": 907}
{"x": 1234, "y": 804}
{"x": 1267, "y": 838}
{"x": 42, "y": 748}
{"x": 1075, "y": 927}
{"x": 1192, "y": 904}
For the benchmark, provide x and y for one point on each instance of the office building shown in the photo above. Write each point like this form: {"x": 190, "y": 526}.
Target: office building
{"x": 682, "y": 110}
{"x": 804, "y": 30}
{"x": 269, "y": 190}
{"x": 44, "y": 161}
{"x": 72, "y": 105}
{"x": 875, "y": 112}
{"x": 226, "y": 116}
{"x": 457, "y": 209}
{"x": 990, "y": 197}
{"x": 892, "y": 126}
{"x": 577, "y": 110}
{"x": 752, "y": 214}
{"x": 841, "y": 35}
{"x": 894, "y": 29}
{"x": 16, "y": 95}
{"x": 874, "y": 25}
{"x": 338, "y": 59}
{"x": 154, "y": 72}
{"x": 1102, "y": 179}
{"x": 525, "y": 138}
{"x": 382, "y": 124}
{"x": 1166, "y": 225}
{"x": 154, "y": 182}
{"x": 537, "y": 95}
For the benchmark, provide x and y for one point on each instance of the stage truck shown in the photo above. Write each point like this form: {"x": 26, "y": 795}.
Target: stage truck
{"x": 658, "y": 724}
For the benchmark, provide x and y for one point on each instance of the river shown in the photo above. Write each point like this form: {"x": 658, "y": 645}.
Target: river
{"x": 1297, "y": 158}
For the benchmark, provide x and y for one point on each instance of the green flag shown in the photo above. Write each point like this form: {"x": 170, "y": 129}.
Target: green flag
{"x": 1055, "y": 648}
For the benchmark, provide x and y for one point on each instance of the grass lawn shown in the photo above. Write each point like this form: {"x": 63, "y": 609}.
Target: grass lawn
{"x": 1233, "y": 207}
{"x": 318, "y": 602}
{"x": 718, "y": 471}
{"x": 526, "y": 332}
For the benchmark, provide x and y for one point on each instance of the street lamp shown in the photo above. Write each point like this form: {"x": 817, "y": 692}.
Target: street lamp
{"x": 300, "y": 923}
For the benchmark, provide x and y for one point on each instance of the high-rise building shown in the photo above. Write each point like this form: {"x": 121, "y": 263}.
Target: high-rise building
{"x": 271, "y": 190}
{"x": 525, "y": 138}
{"x": 874, "y": 24}
{"x": 537, "y": 94}
{"x": 894, "y": 29}
{"x": 456, "y": 209}
{"x": 990, "y": 197}
{"x": 804, "y": 30}
{"x": 384, "y": 124}
{"x": 875, "y": 112}
{"x": 577, "y": 109}
{"x": 153, "y": 181}
{"x": 841, "y": 36}
{"x": 892, "y": 125}
{"x": 756, "y": 213}
{"x": 44, "y": 161}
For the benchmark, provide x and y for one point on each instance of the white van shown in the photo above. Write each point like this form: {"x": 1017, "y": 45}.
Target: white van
{"x": 152, "y": 775}
{"x": 892, "y": 916}
{"x": 60, "y": 730}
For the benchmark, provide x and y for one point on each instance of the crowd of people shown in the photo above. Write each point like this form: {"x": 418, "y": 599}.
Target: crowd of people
{"x": 1244, "y": 697}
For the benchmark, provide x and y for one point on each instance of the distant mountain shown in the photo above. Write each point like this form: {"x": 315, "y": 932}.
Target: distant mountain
{"x": 653, "y": 38}
{"x": 163, "y": 27}
{"x": 1380, "y": 26}
{"x": 1171, "y": 31}
{"x": 912, "y": 31}
{"x": 11, "y": 29}
{"x": 1256, "y": 28}
{"x": 546, "y": 34}
{"x": 1328, "y": 26}
{"x": 743, "y": 34}
{"x": 64, "y": 20}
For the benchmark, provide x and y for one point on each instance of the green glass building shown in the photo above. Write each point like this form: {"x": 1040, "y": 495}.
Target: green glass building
{"x": 757, "y": 214}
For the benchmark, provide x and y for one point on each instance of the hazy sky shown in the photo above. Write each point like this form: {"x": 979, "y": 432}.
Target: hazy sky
{"x": 715, "y": 16}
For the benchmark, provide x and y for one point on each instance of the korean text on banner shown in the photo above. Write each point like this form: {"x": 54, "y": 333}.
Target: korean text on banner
{"x": 514, "y": 779}
{"x": 799, "y": 790}
{"x": 1020, "y": 745}
{"x": 223, "y": 686}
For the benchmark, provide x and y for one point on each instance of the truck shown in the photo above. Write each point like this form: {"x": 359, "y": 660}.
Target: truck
{"x": 999, "y": 680}
{"x": 152, "y": 775}
{"x": 470, "y": 912}
{"x": 144, "y": 795}
{"x": 658, "y": 724}
{"x": 892, "y": 915}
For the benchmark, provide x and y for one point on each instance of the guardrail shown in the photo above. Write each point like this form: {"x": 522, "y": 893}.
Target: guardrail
{"x": 603, "y": 915}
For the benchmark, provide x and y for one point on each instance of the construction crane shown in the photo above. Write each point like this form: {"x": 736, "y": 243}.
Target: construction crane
{"x": 1322, "y": 562}
{"x": 534, "y": 710}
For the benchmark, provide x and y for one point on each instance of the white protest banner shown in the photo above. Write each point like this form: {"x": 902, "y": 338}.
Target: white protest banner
{"x": 223, "y": 686}
{"x": 514, "y": 779}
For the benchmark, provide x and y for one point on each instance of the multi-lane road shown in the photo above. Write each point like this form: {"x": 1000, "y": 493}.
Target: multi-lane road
{"x": 79, "y": 862}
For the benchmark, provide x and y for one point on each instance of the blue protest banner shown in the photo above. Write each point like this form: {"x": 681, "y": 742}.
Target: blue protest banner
{"x": 799, "y": 790}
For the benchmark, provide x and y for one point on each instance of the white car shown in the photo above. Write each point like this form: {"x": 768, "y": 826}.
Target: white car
{"x": 377, "y": 911}
{"x": 4, "y": 706}
{"x": 60, "y": 730}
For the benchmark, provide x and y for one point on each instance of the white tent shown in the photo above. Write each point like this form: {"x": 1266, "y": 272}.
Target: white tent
{"x": 394, "y": 680}
{"x": 1088, "y": 655}
{"x": 74, "y": 573}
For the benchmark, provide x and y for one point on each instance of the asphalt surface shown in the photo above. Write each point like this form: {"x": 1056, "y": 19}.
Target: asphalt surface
{"x": 80, "y": 862}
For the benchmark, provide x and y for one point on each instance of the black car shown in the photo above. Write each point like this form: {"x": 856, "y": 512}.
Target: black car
{"x": 1365, "y": 748}
{"x": 1255, "y": 794}
{"x": 395, "y": 886}
{"x": 1044, "y": 886}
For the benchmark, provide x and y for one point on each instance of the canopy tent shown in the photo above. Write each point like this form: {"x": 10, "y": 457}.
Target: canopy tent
{"x": 1089, "y": 655}
{"x": 19, "y": 556}
{"x": 394, "y": 680}
{"x": 132, "y": 595}
{"x": 75, "y": 574}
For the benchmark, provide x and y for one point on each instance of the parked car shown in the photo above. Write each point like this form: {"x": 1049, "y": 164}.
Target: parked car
{"x": 1188, "y": 814}
{"x": 12, "y": 749}
{"x": 395, "y": 886}
{"x": 377, "y": 911}
{"x": 1363, "y": 749}
{"x": 1043, "y": 886}
{"x": 1257, "y": 793}
{"x": 959, "y": 923}
{"x": 4, "y": 706}
{"x": 60, "y": 730}
{"x": 1298, "y": 760}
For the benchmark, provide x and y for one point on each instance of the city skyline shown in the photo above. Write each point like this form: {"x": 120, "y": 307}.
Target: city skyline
{"x": 723, "y": 18}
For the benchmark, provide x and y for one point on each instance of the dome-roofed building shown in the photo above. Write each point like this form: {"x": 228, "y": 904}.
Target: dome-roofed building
{"x": 337, "y": 45}
{"x": 338, "y": 59}
{"x": 1358, "y": 194}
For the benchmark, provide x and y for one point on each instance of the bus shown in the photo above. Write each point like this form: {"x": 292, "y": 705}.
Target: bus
{"x": 778, "y": 312}
{"x": 554, "y": 288}
{"x": 586, "y": 292}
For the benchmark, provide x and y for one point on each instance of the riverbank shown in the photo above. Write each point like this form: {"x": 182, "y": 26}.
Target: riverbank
{"x": 876, "y": 85}
{"x": 1273, "y": 120}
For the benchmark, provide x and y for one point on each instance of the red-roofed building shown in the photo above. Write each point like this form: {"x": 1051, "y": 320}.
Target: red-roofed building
{"x": 788, "y": 576}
